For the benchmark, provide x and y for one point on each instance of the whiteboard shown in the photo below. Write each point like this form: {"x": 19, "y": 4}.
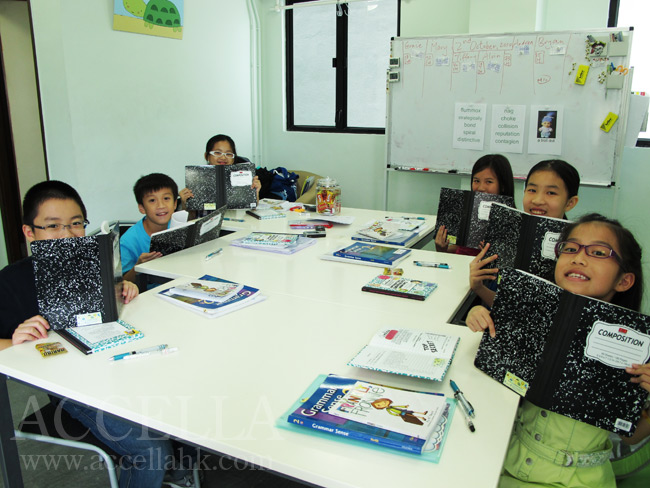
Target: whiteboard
{"x": 452, "y": 99}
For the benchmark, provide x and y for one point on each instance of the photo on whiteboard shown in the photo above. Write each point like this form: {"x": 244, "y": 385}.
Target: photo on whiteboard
{"x": 545, "y": 134}
{"x": 547, "y": 124}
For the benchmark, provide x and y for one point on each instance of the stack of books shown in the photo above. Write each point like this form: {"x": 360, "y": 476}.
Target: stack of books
{"x": 274, "y": 242}
{"x": 398, "y": 232}
{"x": 398, "y": 286}
{"x": 357, "y": 411}
{"x": 211, "y": 297}
{"x": 368, "y": 254}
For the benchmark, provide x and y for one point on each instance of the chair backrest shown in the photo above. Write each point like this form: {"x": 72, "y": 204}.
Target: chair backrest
{"x": 306, "y": 194}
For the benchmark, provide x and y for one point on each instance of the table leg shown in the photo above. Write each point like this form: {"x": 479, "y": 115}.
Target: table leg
{"x": 11, "y": 474}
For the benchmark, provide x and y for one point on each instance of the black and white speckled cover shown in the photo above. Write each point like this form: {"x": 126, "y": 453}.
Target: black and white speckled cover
{"x": 208, "y": 228}
{"x": 202, "y": 180}
{"x": 76, "y": 276}
{"x": 541, "y": 337}
{"x": 465, "y": 216}
{"x": 212, "y": 187}
{"x": 178, "y": 238}
{"x": 239, "y": 196}
{"x": 171, "y": 240}
{"x": 479, "y": 218}
{"x": 523, "y": 241}
{"x": 450, "y": 211}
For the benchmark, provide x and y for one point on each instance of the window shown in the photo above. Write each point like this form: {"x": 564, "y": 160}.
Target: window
{"x": 635, "y": 13}
{"x": 337, "y": 57}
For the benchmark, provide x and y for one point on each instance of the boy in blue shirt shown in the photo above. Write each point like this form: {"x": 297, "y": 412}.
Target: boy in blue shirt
{"x": 156, "y": 195}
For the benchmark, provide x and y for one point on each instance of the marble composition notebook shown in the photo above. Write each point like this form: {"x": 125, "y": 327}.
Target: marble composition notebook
{"x": 523, "y": 241}
{"x": 465, "y": 215}
{"x": 566, "y": 353}
{"x": 219, "y": 185}
{"x": 187, "y": 235}
{"x": 78, "y": 279}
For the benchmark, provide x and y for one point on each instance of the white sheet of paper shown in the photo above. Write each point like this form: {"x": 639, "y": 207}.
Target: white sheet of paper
{"x": 469, "y": 125}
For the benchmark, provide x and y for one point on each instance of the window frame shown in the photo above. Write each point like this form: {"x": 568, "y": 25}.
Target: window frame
{"x": 340, "y": 63}
{"x": 612, "y": 21}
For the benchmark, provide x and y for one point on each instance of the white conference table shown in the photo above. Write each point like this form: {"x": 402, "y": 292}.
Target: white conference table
{"x": 234, "y": 376}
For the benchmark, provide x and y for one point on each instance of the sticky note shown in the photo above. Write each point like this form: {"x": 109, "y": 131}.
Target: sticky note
{"x": 581, "y": 76}
{"x": 609, "y": 121}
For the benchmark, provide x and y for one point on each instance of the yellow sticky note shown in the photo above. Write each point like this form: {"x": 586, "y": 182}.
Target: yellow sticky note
{"x": 609, "y": 121}
{"x": 581, "y": 76}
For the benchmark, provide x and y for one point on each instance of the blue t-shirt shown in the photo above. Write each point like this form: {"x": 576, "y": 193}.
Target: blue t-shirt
{"x": 134, "y": 242}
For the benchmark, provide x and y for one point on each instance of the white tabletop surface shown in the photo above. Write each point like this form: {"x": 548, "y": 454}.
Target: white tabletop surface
{"x": 234, "y": 376}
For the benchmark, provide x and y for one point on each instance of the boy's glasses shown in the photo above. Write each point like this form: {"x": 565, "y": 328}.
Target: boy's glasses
{"x": 599, "y": 251}
{"x": 74, "y": 227}
{"x": 218, "y": 154}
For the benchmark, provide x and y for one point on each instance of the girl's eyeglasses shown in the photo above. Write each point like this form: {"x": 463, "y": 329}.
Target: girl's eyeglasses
{"x": 218, "y": 154}
{"x": 599, "y": 251}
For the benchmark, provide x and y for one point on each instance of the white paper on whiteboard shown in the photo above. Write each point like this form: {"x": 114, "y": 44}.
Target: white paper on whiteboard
{"x": 469, "y": 125}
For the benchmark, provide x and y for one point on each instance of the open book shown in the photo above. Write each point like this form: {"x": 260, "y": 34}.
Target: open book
{"x": 408, "y": 352}
{"x": 566, "y": 353}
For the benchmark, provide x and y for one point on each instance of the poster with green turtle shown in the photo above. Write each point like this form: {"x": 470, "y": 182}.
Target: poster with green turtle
{"x": 162, "y": 18}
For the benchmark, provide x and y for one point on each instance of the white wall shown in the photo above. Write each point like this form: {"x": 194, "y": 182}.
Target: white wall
{"x": 23, "y": 103}
{"x": 118, "y": 105}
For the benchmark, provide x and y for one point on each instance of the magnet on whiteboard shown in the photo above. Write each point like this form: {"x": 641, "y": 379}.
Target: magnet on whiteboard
{"x": 393, "y": 76}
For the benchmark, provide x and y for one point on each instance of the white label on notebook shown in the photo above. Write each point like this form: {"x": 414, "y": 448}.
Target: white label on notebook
{"x": 241, "y": 178}
{"x": 89, "y": 319}
{"x": 548, "y": 246}
{"x": 623, "y": 425}
{"x": 617, "y": 346}
{"x": 484, "y": 210}
{"x": 209, "y": 206}
{"x": 210, "y": 224}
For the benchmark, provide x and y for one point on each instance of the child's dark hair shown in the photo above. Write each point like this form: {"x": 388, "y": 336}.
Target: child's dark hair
{"x": 153, "y": 182}
{"x": 564, "y": 170}
{"x": 47, "y": 190}
{"x": 501, "y": 167}
{"x": 629, "y": 258}
{"x": 218, "y": 138}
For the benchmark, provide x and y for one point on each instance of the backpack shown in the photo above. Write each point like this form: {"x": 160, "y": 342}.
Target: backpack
{"x": 278, "y": 183}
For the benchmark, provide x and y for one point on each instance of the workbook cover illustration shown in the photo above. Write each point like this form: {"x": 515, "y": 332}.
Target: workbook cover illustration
{"x": 566, "y": 353}
{"x": 407, "y": 412}
{"x": 311, "y": 414}
{"x": 465, "y": 214}
{"x": 523, "y": 241}
{"x": 78, "y": 279}
{"x": 219, "y": 185}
